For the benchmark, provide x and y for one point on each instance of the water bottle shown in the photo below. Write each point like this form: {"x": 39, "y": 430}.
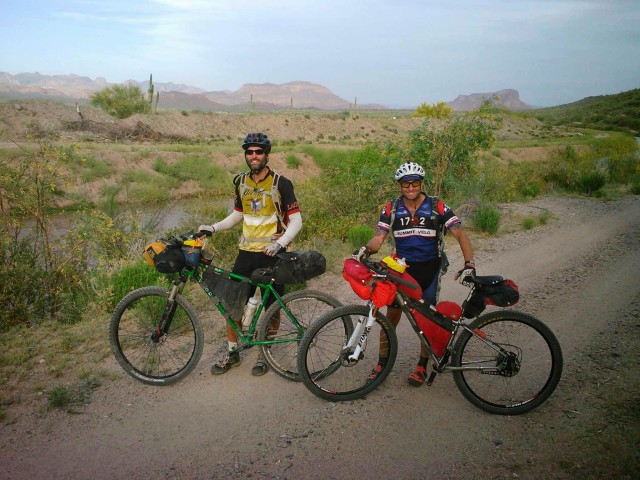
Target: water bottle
{"x": 249, "y": 312}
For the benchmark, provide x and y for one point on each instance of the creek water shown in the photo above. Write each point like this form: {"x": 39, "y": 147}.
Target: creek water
{"x": 160, "y": 218}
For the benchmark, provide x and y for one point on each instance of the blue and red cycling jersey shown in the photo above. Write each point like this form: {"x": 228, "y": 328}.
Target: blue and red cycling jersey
{"x": 416, "y": 236}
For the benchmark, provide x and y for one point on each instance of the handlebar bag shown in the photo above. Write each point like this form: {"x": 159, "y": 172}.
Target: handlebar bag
{"x": 359, "y": 278}
{"x": 384, "y": 293}
{"x": 169, "y": 260}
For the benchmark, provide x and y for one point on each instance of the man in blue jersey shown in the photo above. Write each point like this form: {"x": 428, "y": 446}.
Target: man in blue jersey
{"x": 417, "y": 222}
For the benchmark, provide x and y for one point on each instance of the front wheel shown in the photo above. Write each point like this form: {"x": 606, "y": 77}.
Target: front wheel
{"x": 277, "y": 325}
{"x": 511, "y": 364}
{"x": 323, "y": 360}
{"x": 144, "y": 351}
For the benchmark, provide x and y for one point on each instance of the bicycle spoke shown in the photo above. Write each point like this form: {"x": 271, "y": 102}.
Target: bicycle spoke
{"x": 305, "y": 306}
{"x": 518, "y": 377}
{"x": 325, "y": 365}
{"x": 143, "y": 351}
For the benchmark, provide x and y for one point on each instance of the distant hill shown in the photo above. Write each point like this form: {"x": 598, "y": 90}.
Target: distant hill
{"x": 620, "y": 112}
{"x": 507, "y": 98}
{"x": 264, "y": 97}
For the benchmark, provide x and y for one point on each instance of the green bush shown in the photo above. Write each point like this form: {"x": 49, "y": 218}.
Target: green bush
{"x": 59, "y": 397}
{"x": 591, "y": 182}
{"x": 487, "y": 219}
{"x": 359, "y": 235}
{"x": 130, "y": 277}
{"x": 543, "y": 218}
{"x": 120, "y": 101}
{"x": 293, "y": 161}
{"x": 528, "y": 223}
{"x": 635, "y": 185}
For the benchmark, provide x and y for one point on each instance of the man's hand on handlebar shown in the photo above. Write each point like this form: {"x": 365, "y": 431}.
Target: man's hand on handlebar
{"x": 205, "y": 230}
{"x": 362, "y": 252}
{"x": 466, "y": 274}
{"x": 273, "y": 249}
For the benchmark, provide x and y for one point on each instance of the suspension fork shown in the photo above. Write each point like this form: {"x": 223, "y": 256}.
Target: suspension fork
{"x": 169, "y": 310}
{"x": 360, "y": 333}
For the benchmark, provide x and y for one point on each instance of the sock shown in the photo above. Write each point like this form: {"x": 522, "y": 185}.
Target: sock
{"x": 423, "y": 361}
{"x": 232, "y": 346}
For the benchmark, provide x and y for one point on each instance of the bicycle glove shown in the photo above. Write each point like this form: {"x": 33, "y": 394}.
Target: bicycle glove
{"x": 360, "y": 253}
{"x": 273, "y": 249}
{"x": 206, "y": 230}
{"x": 466, "y": 274}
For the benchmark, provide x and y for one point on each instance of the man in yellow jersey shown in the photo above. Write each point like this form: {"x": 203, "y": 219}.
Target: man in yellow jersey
{"x": 266, "y": 205}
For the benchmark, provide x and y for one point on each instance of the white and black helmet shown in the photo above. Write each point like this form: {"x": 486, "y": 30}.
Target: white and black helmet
{"x": 409, "y": 171}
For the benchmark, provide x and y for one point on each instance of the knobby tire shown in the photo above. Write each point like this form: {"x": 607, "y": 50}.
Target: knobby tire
{"x": 322, "y": 359}
{"x": 155, "y": 359}
{"x": 305, "y": 305}
{"x": 515, "y": 382}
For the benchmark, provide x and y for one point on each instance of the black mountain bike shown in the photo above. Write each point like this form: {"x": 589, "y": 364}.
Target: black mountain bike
{"x": 504, "y": 362}
{"x": 157, "y": 337}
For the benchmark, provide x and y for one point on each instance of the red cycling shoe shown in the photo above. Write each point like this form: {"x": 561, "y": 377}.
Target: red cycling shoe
{"x": 418, "y": 377}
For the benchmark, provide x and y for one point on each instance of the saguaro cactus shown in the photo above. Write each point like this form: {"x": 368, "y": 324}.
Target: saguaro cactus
{"x": 150, "y": 91}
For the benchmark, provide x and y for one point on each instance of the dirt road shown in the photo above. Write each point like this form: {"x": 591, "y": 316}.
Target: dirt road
{"x": 578, "y": 273}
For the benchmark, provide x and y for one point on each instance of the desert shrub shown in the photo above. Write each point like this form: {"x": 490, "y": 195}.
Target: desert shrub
{"x": 359, "y": 235}
{"x": 209, "y": 175}
{"x": 59, "y": 397}
{"x": 622, "y": 168}
{"x": 528, "y": 223}
{"x": 591, "y": 182}
{"x": 544, "y": 217}
{"x": 530, "y": 190}
{"x": 562, "y": 167}
{"x": 292, "y": 160}
{"x": 437, "y": 110}
{"x": 90, "y": 168}
{"x": 449, "y": 150}
{"x": 120, "y": 101}
{"x": 130, "y": 277}
{"x": 487, "y": 219}
{"x": 350, "y": 192}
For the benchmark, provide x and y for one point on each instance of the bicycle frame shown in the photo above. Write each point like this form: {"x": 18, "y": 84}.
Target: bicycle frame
{"x": 356, "y": 343}
{"x": 246, "y": 338}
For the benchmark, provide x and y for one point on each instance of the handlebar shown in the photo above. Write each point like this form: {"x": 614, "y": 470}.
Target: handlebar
{"x": 383, "y": 271}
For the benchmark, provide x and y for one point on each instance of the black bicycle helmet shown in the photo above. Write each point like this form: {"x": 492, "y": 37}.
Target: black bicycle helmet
{"x": 257, "y": 139}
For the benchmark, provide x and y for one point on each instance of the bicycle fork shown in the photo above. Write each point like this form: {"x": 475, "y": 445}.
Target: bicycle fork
{"x": 167, "y": 315}
{"x": 359, "y": 336}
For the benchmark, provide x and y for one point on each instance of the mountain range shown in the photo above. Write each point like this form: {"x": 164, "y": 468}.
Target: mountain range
{"x": 263, "y": 97}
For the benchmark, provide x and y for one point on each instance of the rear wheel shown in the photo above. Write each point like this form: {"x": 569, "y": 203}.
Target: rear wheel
{"x": 323, "y": 360}
{"x": 277, "y": 325}
{"x": 146, "y": 353}
{"x": 514, "y": 363}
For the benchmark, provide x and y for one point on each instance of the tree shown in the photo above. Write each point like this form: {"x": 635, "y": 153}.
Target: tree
{"x": 448, "y": 150}
{"x": 120, "y": 101}
{"x": 437, "y": 110}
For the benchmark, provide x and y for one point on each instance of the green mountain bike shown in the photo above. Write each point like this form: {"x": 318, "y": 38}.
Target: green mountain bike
{"x": 157, "y": 337}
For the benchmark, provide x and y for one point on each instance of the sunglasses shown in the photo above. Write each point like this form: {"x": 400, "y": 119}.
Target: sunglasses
{"x": 258, "y": 151}
{"x": 415, "y": 183}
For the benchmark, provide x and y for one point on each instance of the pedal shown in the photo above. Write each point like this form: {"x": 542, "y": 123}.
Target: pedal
{"x": 432, "y": 377}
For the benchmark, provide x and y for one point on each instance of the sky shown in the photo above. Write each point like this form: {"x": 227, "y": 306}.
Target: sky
{"x": 397, "y": 53}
